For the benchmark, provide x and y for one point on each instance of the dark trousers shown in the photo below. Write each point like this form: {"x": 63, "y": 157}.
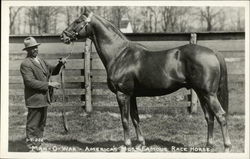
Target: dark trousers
{"x": 36, "y": 121}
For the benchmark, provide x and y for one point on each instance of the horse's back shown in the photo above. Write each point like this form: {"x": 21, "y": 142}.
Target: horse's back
{"x": 185, "y": 66}
{"x": 152, "y": 73}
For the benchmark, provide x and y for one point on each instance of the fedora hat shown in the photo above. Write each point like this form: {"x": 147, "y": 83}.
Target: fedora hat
{"x": 30, "y": 42}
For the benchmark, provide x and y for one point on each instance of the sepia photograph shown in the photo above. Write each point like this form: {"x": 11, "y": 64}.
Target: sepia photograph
{"x": 127, "y": 79}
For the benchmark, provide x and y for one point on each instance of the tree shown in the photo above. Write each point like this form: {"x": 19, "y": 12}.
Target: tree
{"x": 208, "y": 15}
{"x": 43, "y": 19}
{"x": 144, "y": 13}
{"x": 240, "y": 22}
{"x": 135, "y": 18}
{"x": 169, "y": 18}
{"x": 154, "y": 13}
{"x": 117, "y": 13}
{"x": 68, "y": 16}
{"x": 13, "y": 14}
{"x": 221, "y": 20}
{"x": 183, "y": 19}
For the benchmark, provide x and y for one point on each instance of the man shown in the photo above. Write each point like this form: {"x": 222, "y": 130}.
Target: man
{"x": 36, "y": 73}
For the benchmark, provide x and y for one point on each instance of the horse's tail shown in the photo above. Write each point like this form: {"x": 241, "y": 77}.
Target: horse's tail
{"x": 222, "y": 93}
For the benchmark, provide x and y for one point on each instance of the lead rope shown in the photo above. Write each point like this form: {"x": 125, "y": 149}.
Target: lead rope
{"x": 72, "y": 48}
{"x": 64, "y": 117}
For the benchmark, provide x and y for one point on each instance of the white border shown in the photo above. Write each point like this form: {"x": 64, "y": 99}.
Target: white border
{"x": 247, "y": 78}
{"x": 4, "y": 79}
{"x": 5, "y": 75}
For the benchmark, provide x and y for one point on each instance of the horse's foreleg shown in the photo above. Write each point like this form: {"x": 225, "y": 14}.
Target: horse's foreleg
{"x": 136, "y": 121}
{"x": 124, "y": 105}
{"x": 220, "y": 115}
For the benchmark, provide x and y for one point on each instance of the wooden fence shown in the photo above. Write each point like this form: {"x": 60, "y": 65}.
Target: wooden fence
{"x": 92, "y": 89}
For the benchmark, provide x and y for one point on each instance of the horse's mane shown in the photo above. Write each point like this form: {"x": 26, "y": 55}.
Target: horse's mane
{"x": 110, "y": 25}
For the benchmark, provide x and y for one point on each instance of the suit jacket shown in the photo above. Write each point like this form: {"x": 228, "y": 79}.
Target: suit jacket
{"x": 36, "y": 77}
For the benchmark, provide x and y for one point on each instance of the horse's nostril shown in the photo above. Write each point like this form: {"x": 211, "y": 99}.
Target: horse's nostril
{"x": 62, "y": 36}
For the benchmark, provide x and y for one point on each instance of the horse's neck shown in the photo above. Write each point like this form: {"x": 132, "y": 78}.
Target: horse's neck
{"x": 109, "y": 42}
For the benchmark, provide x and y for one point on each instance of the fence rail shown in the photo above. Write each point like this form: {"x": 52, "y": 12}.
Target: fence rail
{"x": 230, "y": 44}
{"x": 148, "y": 36}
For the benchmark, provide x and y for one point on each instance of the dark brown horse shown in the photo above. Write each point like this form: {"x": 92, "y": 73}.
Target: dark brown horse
{"x": 134, "y": 71}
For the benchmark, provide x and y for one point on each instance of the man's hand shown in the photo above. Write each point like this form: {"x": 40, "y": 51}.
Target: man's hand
{"x": 63, "y": 60}
{"x": 55, "y": 84}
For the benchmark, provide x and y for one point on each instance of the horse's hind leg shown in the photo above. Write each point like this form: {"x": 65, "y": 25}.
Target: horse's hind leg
{"x": 221, "y": 117}
{"x": 135, "y": 119}
{"x": 124, "y": 105}
{"x": 209, "y": 116}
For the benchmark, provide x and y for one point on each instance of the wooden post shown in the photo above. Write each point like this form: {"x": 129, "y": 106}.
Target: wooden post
{"x": 194, "y": 98}
{"x": 87, "y": 78}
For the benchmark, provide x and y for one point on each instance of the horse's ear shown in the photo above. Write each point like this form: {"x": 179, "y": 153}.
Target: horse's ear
{"x": 86, "y": 11}
{"x": 84, "y": 14}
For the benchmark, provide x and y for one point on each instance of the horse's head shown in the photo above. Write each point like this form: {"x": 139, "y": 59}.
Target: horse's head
{"x": 80, "y": 28}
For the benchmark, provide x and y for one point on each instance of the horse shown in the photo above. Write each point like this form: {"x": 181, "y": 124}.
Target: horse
{"x": 133, "y": 71}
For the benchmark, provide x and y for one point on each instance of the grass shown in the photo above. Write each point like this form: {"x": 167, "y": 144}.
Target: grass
{"x": 162, "y": 129}
{"x": 102, "y": 129}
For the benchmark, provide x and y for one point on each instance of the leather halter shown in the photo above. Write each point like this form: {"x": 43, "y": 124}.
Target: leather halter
{"x": 74, "y": 34}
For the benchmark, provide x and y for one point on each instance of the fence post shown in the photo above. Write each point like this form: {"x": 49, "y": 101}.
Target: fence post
{"x": 87, "y": 78}
{"x": 194, "y": 98}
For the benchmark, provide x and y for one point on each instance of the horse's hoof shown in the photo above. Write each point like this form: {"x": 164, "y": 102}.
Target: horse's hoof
{"x": 125, "y": 148}
{"x": 141, "y": 140}
{"x": 139, "y": 147}
{"x": 128, "y": 143}
{"x": 143, "y": 143}
{"x": 227, "y": 150}
{"x": 122, "y": 148}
